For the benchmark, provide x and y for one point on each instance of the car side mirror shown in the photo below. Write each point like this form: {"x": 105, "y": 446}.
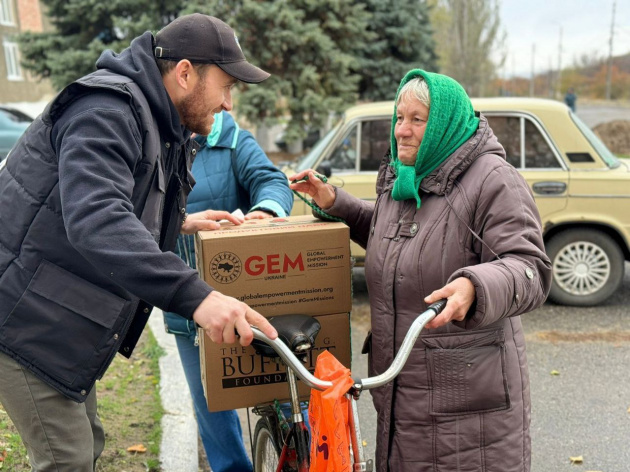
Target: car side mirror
{"x": 325, "y": 168}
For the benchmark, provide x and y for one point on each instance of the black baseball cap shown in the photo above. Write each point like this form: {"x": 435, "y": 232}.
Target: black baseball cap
{"x": 207, "y": 40}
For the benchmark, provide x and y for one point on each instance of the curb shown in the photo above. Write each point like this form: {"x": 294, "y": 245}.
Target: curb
{"x": 178, "y": 449}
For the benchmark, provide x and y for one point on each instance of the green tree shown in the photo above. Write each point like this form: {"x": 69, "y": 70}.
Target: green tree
{"x": 308, "y": 46}
{"x": 83, "y": 29}
{"x": 468, "y": 32}
{"x": 403, "y": 40}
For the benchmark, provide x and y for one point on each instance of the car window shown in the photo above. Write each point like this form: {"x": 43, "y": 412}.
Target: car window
{"x": 507, "y": 130}
{"x": 374, "y": 143}
{"x": 310, "y": 159}
{"x": 609, "y": 158}
{"x": 538, "y": 154}
{"x": 534, "y": 153}
{"x": 344, "y": 156}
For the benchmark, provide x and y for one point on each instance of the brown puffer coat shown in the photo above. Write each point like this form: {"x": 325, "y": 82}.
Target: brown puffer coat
{"x": 462, "y": 401}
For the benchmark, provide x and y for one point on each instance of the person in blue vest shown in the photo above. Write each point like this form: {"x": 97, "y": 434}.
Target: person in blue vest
{"x": 232, "y": 173}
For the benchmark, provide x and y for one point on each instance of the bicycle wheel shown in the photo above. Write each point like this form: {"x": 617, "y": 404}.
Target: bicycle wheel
{"x": 266, "y": 449}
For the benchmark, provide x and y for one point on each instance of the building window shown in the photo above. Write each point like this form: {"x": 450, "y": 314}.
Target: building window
{"x": 6, "y": 13}
{"x": 12, "y": 57}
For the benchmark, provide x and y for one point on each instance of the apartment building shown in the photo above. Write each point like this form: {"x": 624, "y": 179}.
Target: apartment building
{"x": 17, "y": 84}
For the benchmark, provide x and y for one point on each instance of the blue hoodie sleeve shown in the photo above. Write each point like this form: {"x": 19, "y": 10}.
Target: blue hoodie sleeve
{"x": 98, "y": 144}
{"x": 267, "y": 185}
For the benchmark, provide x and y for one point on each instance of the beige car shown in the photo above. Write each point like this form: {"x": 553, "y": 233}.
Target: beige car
{"x": 582, "y": 190}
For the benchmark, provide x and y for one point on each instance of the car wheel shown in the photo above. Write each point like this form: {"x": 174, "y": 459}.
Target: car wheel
{"x": 587, "y": 267}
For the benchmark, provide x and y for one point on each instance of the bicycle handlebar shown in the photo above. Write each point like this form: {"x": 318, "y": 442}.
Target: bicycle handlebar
{"x": 370, "y": 382}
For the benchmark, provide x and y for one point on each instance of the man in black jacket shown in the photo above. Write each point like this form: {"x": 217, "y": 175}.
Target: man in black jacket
{"x": 91, "y": 201}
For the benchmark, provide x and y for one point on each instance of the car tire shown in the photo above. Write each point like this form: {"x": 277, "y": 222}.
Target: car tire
{"x": 587, "y": 267}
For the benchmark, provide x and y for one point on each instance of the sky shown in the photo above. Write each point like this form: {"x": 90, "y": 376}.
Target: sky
{"x": 585, "y": 30}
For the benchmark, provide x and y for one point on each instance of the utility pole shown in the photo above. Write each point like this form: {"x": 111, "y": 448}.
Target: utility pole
{"x": 559, "y": 78}
{"x": 533, "y": 75}
{"x": 610, "y": 53}
{"x": 550, "y": 79}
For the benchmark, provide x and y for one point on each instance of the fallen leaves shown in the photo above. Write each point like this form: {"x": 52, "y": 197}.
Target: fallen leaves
{"x": 554, "y": 372}
{"x": 139, "y": 448}
{"x": 576, "y": 460}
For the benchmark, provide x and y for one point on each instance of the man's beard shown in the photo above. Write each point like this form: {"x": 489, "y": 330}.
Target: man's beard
{"x": 195, "y": 115}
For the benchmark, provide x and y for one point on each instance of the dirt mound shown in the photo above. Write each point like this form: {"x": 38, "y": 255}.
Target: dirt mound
{"x": 615, "y": 135}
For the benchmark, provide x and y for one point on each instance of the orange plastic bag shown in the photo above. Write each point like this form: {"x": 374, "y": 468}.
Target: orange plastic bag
{"x": 328, "y": 415}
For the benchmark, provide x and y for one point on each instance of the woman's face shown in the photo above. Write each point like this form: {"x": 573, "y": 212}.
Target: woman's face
{"x": 411, "y": 122}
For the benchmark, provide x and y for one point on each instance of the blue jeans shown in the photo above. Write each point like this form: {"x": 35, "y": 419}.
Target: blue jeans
{"x": 220, "y": 431}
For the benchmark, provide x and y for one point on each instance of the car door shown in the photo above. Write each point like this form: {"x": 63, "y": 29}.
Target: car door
{"x": 529, "y": 149}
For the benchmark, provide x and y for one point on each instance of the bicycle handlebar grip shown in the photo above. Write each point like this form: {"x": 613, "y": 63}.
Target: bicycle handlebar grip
{"x": 438, "y": 306}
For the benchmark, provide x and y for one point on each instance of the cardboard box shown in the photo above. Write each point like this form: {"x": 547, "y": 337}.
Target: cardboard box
{"x": 280, "y": 266}
{"x": 234, "y": 376}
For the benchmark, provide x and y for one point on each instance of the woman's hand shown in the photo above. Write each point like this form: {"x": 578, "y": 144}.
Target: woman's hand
{"x": 207, "y": 220}
{"x": 321, "y": 193}
{"x": 460, "y": 294}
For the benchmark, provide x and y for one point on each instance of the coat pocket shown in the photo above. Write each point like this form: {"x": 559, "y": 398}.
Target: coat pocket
{"x": 467, "y": 372}
{"x": 60, "y": 322}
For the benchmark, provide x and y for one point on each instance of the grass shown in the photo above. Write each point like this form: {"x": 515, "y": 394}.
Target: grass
{"x": 130, "y": 408}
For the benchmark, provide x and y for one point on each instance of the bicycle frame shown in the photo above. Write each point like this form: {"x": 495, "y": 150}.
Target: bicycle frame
{"x": 296, "y": 368}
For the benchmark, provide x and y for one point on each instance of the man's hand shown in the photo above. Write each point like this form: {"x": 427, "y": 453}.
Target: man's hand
{"x": 460, "y": 294}
{"x": 321, "y": 193}
{"x": 258, "y": 215}
{"x": 207, "y": 220}
{"x": 219, "y": 315}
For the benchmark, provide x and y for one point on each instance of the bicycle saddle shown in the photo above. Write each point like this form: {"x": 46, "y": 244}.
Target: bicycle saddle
{"x": 296, "y": 331}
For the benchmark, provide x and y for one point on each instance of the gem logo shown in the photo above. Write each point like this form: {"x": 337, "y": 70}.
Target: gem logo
{"x": 225, "y": 267}
{"x": 273, "y": 264}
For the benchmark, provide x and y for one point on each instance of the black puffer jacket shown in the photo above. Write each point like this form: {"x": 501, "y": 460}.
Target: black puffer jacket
{"x": 90, "y": 197}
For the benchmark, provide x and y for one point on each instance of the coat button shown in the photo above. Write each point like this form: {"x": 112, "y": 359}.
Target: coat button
{"x": 115, "y": 336}
{"x": 414, "y": 228}
{"x": 168, "y": 145}
{"x": 529, "y": 273}
{"x": 83, "y": 392}
{"x": 182, "y": 210}
{"x": 146, "y": 310}
{"x": 194, "y": 152}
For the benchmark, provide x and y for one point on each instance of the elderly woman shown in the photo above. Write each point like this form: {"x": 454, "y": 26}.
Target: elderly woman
{"x": 452, "y": 220}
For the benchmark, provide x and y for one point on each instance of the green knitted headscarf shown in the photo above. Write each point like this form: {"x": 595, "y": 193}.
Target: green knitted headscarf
{"x": 451, "y": 123}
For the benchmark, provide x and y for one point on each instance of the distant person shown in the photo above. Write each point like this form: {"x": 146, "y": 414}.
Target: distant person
{"x": 232, "y": 173}
{"x": 570, "y": 98}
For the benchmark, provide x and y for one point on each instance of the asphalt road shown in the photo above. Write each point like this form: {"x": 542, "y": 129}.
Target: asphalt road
{"x": 592, "y": 115}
